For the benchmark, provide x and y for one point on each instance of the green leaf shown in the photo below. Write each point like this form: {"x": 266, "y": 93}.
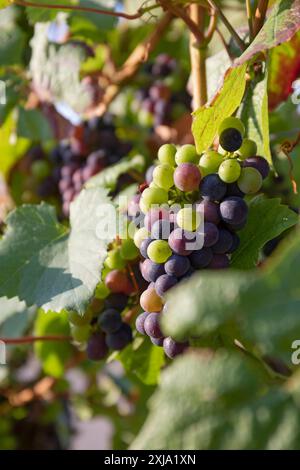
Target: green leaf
{"x": 266, "y": 220}
{"x": 143, "y": 359}
{"x": 108, "y": 178}
{"x": 12, "y": 148}
{"x": 207, "y": 119}
{"x": 12, "y": 40}
{"x": 282, "y": 23}
{"x": 255, "y": 115}
{"x": 219, "y": 403}
{"x": 15, "y": 317}
{"x": 33, "y": 125}
{"x": 53, "y": 354}
{"x": 49, "y": 266}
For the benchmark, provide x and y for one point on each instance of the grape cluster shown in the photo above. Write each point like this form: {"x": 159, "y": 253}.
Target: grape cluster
{"x": 193, "y": 206}
{"x": 159, "y": 102}
{"x": 93, "y": 147}
{"x": 102, "y": 327}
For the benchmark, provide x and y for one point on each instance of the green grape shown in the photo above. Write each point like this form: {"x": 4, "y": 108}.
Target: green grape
{"x": 40, "y": 169}
{"x": 210, "y": 162}
{"x": 159, "y": 251}
{"x": 229, "y": 171}
{"x": 152, "y": 196}
{"x": 186, "y": 154}
{"x": 145, "y": 118}
{"x": 248, "y": 149}
{"x": 102, "y": 291}
{"x": 144, "y": 207}
{"x": 163, "y": 176}
{"x": 80, "y": 320}
{"x": 140, "y": 235}
{"x": 80, "y": 333}
{"x": 128, "y": 250}
{"x": 188, "y": 219}
{"x": 250, "y": 180}
{"x": 166, "y": 154}
{"x": 153, "y": 185}
{"x": 114, "y": 259}
{"x": 232, "y": 122}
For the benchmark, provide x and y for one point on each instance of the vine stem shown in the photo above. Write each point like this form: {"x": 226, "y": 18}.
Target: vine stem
{"x": 259, "y": 16}
{"x": 198, "y": 58}
{"x": 33, "y": 339}
{"x": 228, "y": 25}
{"x": 127, "y": 16}
{"x": 249, "y": 16}
{"x": 181, "y": 13}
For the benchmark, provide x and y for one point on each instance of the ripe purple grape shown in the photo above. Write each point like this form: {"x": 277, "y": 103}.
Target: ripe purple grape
{"x": 173, "y": 348}
{"x": 164, "y": 283}
{"x": 177, "y": 265}
{"x": 152, "y": 326}
{"x": 120, "y": 339}
{"x": 187, "y": 177}
{"x": 116, "y": 301}
{"x": 213, "y": 188}
{"x": 96, "y": 347}
{"x": 210, "y": 211}
{"x": 211, "y": 234}
{"x": 144, "y": 245}
{"x": 219, "y": 261}
{"x": 234, "y": 190}
{"x": 157, "y": 341}
{"x": 110, "y": 320}
{"x": 224, "y": 243}
{"x": 234, "y": 210}
{"x": 259, "y": 163}
{"x": 140, "y": 321}
{"x": 151, "y": 271}
{"x": 230, "y": 139}
{"x": 235, "y": 243}
{"x": 161, "y": 229}
{"x": 201, "y": 258}
{"x": 178, "y": 242}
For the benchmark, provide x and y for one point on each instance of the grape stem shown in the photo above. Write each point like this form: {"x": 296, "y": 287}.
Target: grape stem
{"x": 33, "y": 339}
{"x": 250, "y": 19}
{"x": 198, "y": 57}
{"x": 259, "y": 16}
{"x": 127, "y": 16}
{"x": 181, "y": 13}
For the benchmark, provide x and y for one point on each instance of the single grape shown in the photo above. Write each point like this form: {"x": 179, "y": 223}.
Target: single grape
{"x": 118, "y": 282}
{"x": 140, "y": 321}
{"x": 80, "y": 333}
{"x": 236, "y": 227}
{"x": 210, "y": 162}
{"x": 114, "y": 259}
{"x": 230, "y": 139}
{"x": 212, "y": 188}
{"x": 150, "y": 301}
{"x": 259, "y": 163}
{"x": 151, "y": 271}
{"x": 79, "y": 320}
{"x": 116, "y": 301}
{"x": 120, "y": 339}
{"x": 201, "y": 258}
{"x": 233, "y": 210}
{"x": 110, "y": 320}
{"x": 224, "y": 242}
{"x": 177, "y": 265}
{"x": 102, "y": 291}
{"x": 188, "y": 219}
{"x": 161, "y": 229}
{"x": 248, "y": 149}
{"x": 157, "y": 341}
{"x": 166, "y": 154}
{"x": 179, "y": 243}
{"x": 152, "y": 196}
{"x": 219, "y": 261}
{"x": 173, "y": 348}
{"x": 154, "y": 214}
{"x": 229, "y": 171}
{"x": 144, "y": 246}
{"x": 186, "y": 154}
{"x": 209, "y": 211}
{"x": 235, "y": 243}
{"x": 140, "y": 235}
{"x": 188, "y": 274}
{"x": 159, "y": 251}
{"x": 250, "y": 180}
{"x": 234, "y": 190}
{"x": 96, "y": 347}
{"x": 232, "y": 122}
{"x": 187, "y": 177}
{"x": 164, "y": 283}
{"x": 211, "y": 234}
{"x": 163, "y": 176}
{"x": 129, "y": 250}
{"x": 151, "y": 325}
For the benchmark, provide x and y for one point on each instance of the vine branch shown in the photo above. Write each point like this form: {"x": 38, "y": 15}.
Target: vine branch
{"x": 181, "y": 13}
{"x": 228, "y": 25}
{"x": 249, "y": 16}
{"x": 33, "y": 339}
{"x": 259, "y": 16}
{"x": 198, "y": 58}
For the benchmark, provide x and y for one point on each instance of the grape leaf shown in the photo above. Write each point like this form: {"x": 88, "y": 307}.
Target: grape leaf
{"x": 12, "y": 39}
{"x": 53, "y": 354}
{"x": 108, "y": 178}
{"x": 33, "y": 125}
{"x": 15, "y": 317}
{"x": 254, "y": 114}
{"x": 12, "y": 148}
{"x": 221, "y": 403}
{"x": 283, "y": 66}
{"x": 50, "y": 266}
{"x": 282, "y": 23}
{"x": 143, "y": 359}
{"x": 266, "y": 220}
{"x": 207, "y": 119}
